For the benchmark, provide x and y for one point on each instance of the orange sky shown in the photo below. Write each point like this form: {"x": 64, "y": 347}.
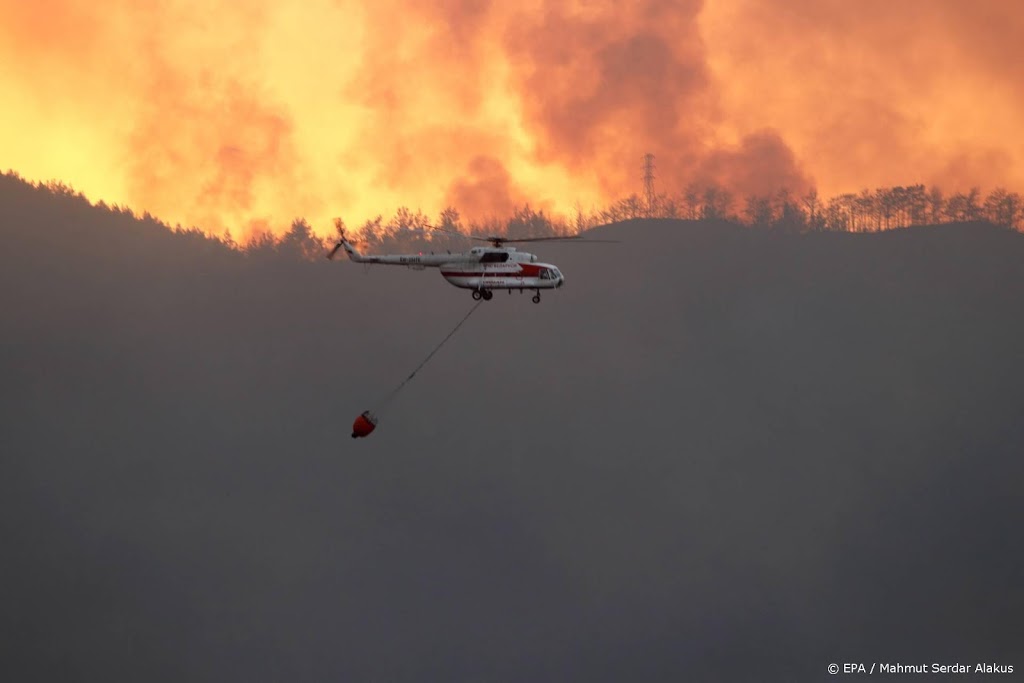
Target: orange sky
{"x": 251, "y": 113}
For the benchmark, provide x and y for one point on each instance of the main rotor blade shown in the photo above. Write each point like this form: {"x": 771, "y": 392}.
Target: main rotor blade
{"x": 577, "y": 239}
{"x": 456, "y": 233}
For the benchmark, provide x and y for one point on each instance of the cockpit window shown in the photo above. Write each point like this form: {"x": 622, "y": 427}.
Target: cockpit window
{"x": 545, "y": 274}
{"x": 494, "y": 257}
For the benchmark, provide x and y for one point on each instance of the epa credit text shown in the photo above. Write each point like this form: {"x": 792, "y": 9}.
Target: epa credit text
{"x": 919, "y": 668}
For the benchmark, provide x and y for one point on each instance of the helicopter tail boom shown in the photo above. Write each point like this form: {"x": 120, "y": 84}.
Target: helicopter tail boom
{"x": 352, "y": 252}
{"x": 415, "y": 261}
{"x": 350, "y": 249}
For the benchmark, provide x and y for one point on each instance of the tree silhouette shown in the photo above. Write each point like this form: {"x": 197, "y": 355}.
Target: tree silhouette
{"x": 956, "y": 207}
{"x": 525, "y": 222}
{"x": 691, "y": 201}
{"x": 973, "y": 204}
{"x": 1003, "y": 208}
{"x": 918, "y": 204}
{"x": 667, "y": 207}
{"x": 885, "y": 208}
{"x": 716, "y": 203}
{"x": 789, "y": 217}
{"x": 936, "y": 205}
{"x": 450, "y": 220}
{"x": 581, "y": 222}
{"x": 261, "y": 245}
{"x": 300, "y": 242}
{"x": 814, "y": 221}
{"x": 837, "y": 216}
{"x": 867, "y": 211}
{"x": 758, "y": 211}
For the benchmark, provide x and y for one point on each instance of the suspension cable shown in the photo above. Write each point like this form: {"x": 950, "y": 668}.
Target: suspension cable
{"x": 384, "y": 403}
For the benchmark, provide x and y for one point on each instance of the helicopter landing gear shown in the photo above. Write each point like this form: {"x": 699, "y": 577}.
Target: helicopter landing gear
{"x": 487, "y": 294}
{"x": 484, "y": 294}
{"x": 536, "y": 298}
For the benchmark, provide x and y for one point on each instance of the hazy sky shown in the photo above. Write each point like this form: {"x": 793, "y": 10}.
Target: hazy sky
{"x": 241, "y": 114}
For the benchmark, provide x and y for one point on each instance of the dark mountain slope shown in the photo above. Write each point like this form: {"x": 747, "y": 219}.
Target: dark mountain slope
{"x": 715, "y": 454}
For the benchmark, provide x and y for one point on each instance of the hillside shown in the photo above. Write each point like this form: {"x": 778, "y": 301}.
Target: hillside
{"x": 715, "y": 454}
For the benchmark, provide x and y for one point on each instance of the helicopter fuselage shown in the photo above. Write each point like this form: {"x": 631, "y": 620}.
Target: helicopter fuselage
{"x": 481, "y": 269}
{"x": 501, "y": 268}
{"x": 510, "y": 276}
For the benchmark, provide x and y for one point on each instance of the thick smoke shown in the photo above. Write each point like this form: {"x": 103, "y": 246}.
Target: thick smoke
{"x": 485, "y": 189}
{"x": 225, "y": 115}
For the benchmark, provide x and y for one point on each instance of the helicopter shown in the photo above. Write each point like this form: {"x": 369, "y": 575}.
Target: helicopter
{"x": 481, "y": 269}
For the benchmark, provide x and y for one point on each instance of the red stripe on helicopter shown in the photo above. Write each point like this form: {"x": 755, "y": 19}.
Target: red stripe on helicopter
{"x": 450, "y": 273}
{"x": 525, "y": 270}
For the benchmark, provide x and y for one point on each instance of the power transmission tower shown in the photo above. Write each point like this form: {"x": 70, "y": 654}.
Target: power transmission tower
{"x": 649, "y": 182}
